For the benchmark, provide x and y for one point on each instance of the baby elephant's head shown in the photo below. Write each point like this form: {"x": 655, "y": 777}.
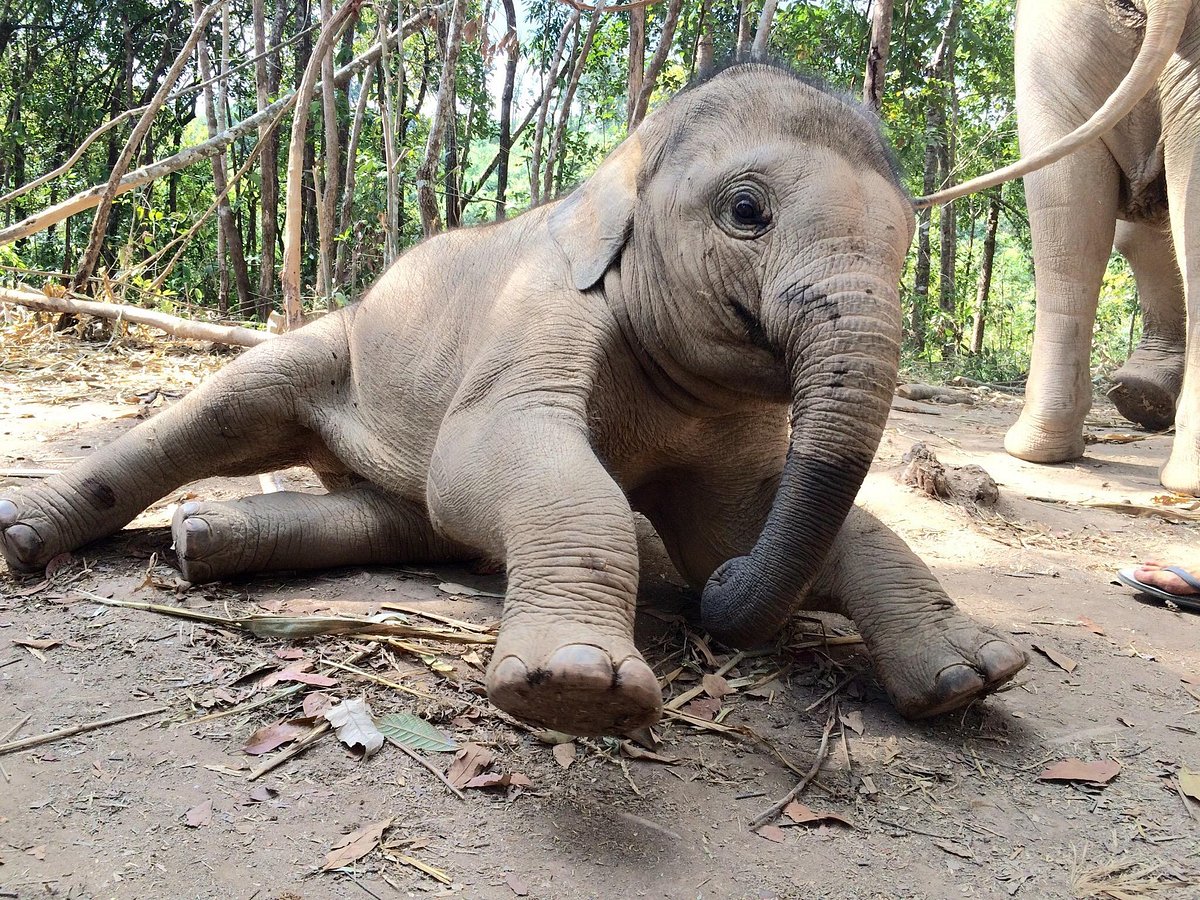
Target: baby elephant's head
{"x": 755, "y": 230}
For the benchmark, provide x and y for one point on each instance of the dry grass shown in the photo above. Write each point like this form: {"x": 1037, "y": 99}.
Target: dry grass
{"x": 1122, "y": 879}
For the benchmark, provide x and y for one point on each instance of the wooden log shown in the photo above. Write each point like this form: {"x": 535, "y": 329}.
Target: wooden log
{"x": 172, "y": 325}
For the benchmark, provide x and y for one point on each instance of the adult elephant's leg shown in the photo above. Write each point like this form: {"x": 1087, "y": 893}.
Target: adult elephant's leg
{"x": 929, "y": 655}
{"x": 1072, "y": 215}
{"x": 359, "y": 525}
{"x": 524, "y": 485}
{"x": 1182, "y": 158}
{"x": 243, "y": 420}
{"x": 1146, "y": 387}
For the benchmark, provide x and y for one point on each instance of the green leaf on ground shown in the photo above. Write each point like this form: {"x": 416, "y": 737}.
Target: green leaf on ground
{"x": 415, "y": 733}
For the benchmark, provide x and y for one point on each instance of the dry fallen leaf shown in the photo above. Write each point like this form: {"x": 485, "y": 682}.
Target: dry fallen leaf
{"x": 802, "y": 815}
{"x": 1189, "y": 783}
{"x": 854, "y": 721}
{"x": 199, "y": 815}
{"x": 1091, "y": 626}
{"x": 316, "y": 703}
{"x": 495, "y": 779}
{"x": 298, "y": 671}
{"x": 272, "y": 737}
{"x": 715, "y": 686}
{"x": 772, "y": 833}
{"x": 38, "y": 852}
{"x": 633, "y": 751}
{"x": 564, "y": 754}
{"x": 34, "y": 644}
{"x": 262, "y": 794}
{"x": 891, "y": 749}
{"x": 1101, "y": 771}
{"x": 470, "y": 761}
{"x": 1061, "y": 660}
{"x": 356, "y": 845}
{"x": 955, "y": 849}
{"x": 355, "y": 726}
{"x": 514, "y": 882}
{"x": 868, "y": 788}
{"x": 705, "y": 709}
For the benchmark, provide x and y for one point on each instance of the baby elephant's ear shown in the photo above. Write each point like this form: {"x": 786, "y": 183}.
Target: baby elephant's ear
{"x": 592, "y": 224}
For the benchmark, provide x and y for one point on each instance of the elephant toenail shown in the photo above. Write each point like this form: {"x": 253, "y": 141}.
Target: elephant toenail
{"x": 190, "y": 508}
{"x": 8, "y": 513}
{"x": 195, "y": 526}
{"x": 24, "y": 540}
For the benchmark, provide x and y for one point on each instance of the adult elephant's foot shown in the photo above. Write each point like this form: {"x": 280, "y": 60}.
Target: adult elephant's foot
{"x": 942, "y": 664}
{"x": 585, "y": 684}
{"x": 1034, "y": 441}
{"x": 1181, "y": 474}
{"x": 1145, "y": 388}
{"x": 28, "y": 539}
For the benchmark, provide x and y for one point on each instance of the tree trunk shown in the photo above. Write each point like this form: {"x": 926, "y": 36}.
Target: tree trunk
{"x": 877, "y": 54}
{"x": 346, "y": 215}
{"x": 704, "y": 47}
{"x": 762, "y": 36}
{"x": 665, "y": 40}
{"x": 289, "y": 274}
{"x": 637, "y": 61}
{"x": 442, "y": 113}
{"x": 267, "y": 78}
{"x": 535, "y": 159}
{"x": 985, "y": 273}
{"x": 331, "y": 152}
{"x": 564, "y": 105}
{"x": 229, "y": 245}
{"x": 935, "y": 174}
{"x": 744, "y": 35}
{"x": 948, "y": 248}
{"x": 120, "y": 165}
{"x": 506, "y": 101}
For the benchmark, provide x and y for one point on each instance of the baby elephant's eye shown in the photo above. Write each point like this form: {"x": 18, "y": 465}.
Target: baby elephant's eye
{"x": 746, "y": 209}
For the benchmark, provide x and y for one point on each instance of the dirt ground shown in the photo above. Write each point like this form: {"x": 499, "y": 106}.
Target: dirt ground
{"x": 163, "y": 805}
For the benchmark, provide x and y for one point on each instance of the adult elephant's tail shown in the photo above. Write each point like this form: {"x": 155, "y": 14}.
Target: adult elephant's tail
{"x": 1165, "y": 20}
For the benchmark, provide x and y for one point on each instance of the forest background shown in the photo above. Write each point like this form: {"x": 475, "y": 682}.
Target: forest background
{"x": 149, "y": 154}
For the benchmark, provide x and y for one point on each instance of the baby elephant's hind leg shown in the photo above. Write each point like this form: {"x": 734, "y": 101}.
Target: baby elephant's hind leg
{"x": 289, "y": 530}
{"x": 242, "y": 420}
{"x": 930, "y": 656}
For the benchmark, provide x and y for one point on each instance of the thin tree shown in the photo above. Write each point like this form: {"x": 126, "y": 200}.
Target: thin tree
{"x": 506, "y": 100}
{"x": 431, "y": 221}
{"x": 948, "y": 247}
{"x": 229, "y": 238}
{"x": 637, "y": 61}
{"x": 984, "y": 289}
{"x": 328, "y": 187}
{"x": 762, "y": 35}
{"x": 877, "y": 54}
{"x": 650, "y": 79}
{"x": 543, "y": 109}
{"x": 568, "y": 97}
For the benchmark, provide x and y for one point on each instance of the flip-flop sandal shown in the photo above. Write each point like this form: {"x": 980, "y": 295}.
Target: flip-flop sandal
{"x": 1184, "y": 601}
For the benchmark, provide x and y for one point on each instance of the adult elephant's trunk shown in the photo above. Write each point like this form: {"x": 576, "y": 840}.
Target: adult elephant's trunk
{"x": 843, "y": 355}
{"x": 1165, "y": 20}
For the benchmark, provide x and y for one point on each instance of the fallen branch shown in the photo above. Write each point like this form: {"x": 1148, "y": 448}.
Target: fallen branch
{"x": 172, "y": 325}
{"x": 822, "y": 752}
{"x": 296, "y": 749}
{"x": 428, "y": 765}
{"x": 38, "y": 740}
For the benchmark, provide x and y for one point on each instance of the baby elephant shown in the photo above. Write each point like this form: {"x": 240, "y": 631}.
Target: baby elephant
{"x": 706, "y": 331}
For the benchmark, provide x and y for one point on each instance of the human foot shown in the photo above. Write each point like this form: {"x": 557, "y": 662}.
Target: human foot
{"x": 1176, "y": 584}
{"x": 587, "y": 685}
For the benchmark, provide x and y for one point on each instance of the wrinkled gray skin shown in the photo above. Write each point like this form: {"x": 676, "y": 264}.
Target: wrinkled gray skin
{"x": 1145, "y": 172}
{"x": 516, "y": 390}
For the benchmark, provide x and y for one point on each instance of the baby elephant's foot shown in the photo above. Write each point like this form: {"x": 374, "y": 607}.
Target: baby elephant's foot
{"x": 591, "y": 686}
{"x": 945, "y": 665}
{"x": 27, "y": 539}
{"x": 211, "y": 541}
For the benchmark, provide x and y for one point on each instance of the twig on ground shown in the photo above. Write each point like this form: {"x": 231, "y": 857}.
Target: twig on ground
{"x": 822, "y": 752}
{"x": 1183, "y": 798}
{"x": 833, "y": 690}
{"x": 276, "y": 695}
{"x": 296, "y": 749}
{"x": 428, "y": 765}
{"x": 6, "y": 736}
{"x": 396, "y": 686}
{"x": 38, "y": 740}
{"x": 683, "y": 698}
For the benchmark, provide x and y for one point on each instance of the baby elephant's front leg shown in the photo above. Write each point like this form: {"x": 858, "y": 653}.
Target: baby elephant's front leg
{"x": 929, "y": 655}
{"x": 527, "y": 486}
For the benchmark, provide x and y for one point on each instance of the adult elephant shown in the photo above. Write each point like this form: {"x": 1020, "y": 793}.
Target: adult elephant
{"x": 1108, "y": 103}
